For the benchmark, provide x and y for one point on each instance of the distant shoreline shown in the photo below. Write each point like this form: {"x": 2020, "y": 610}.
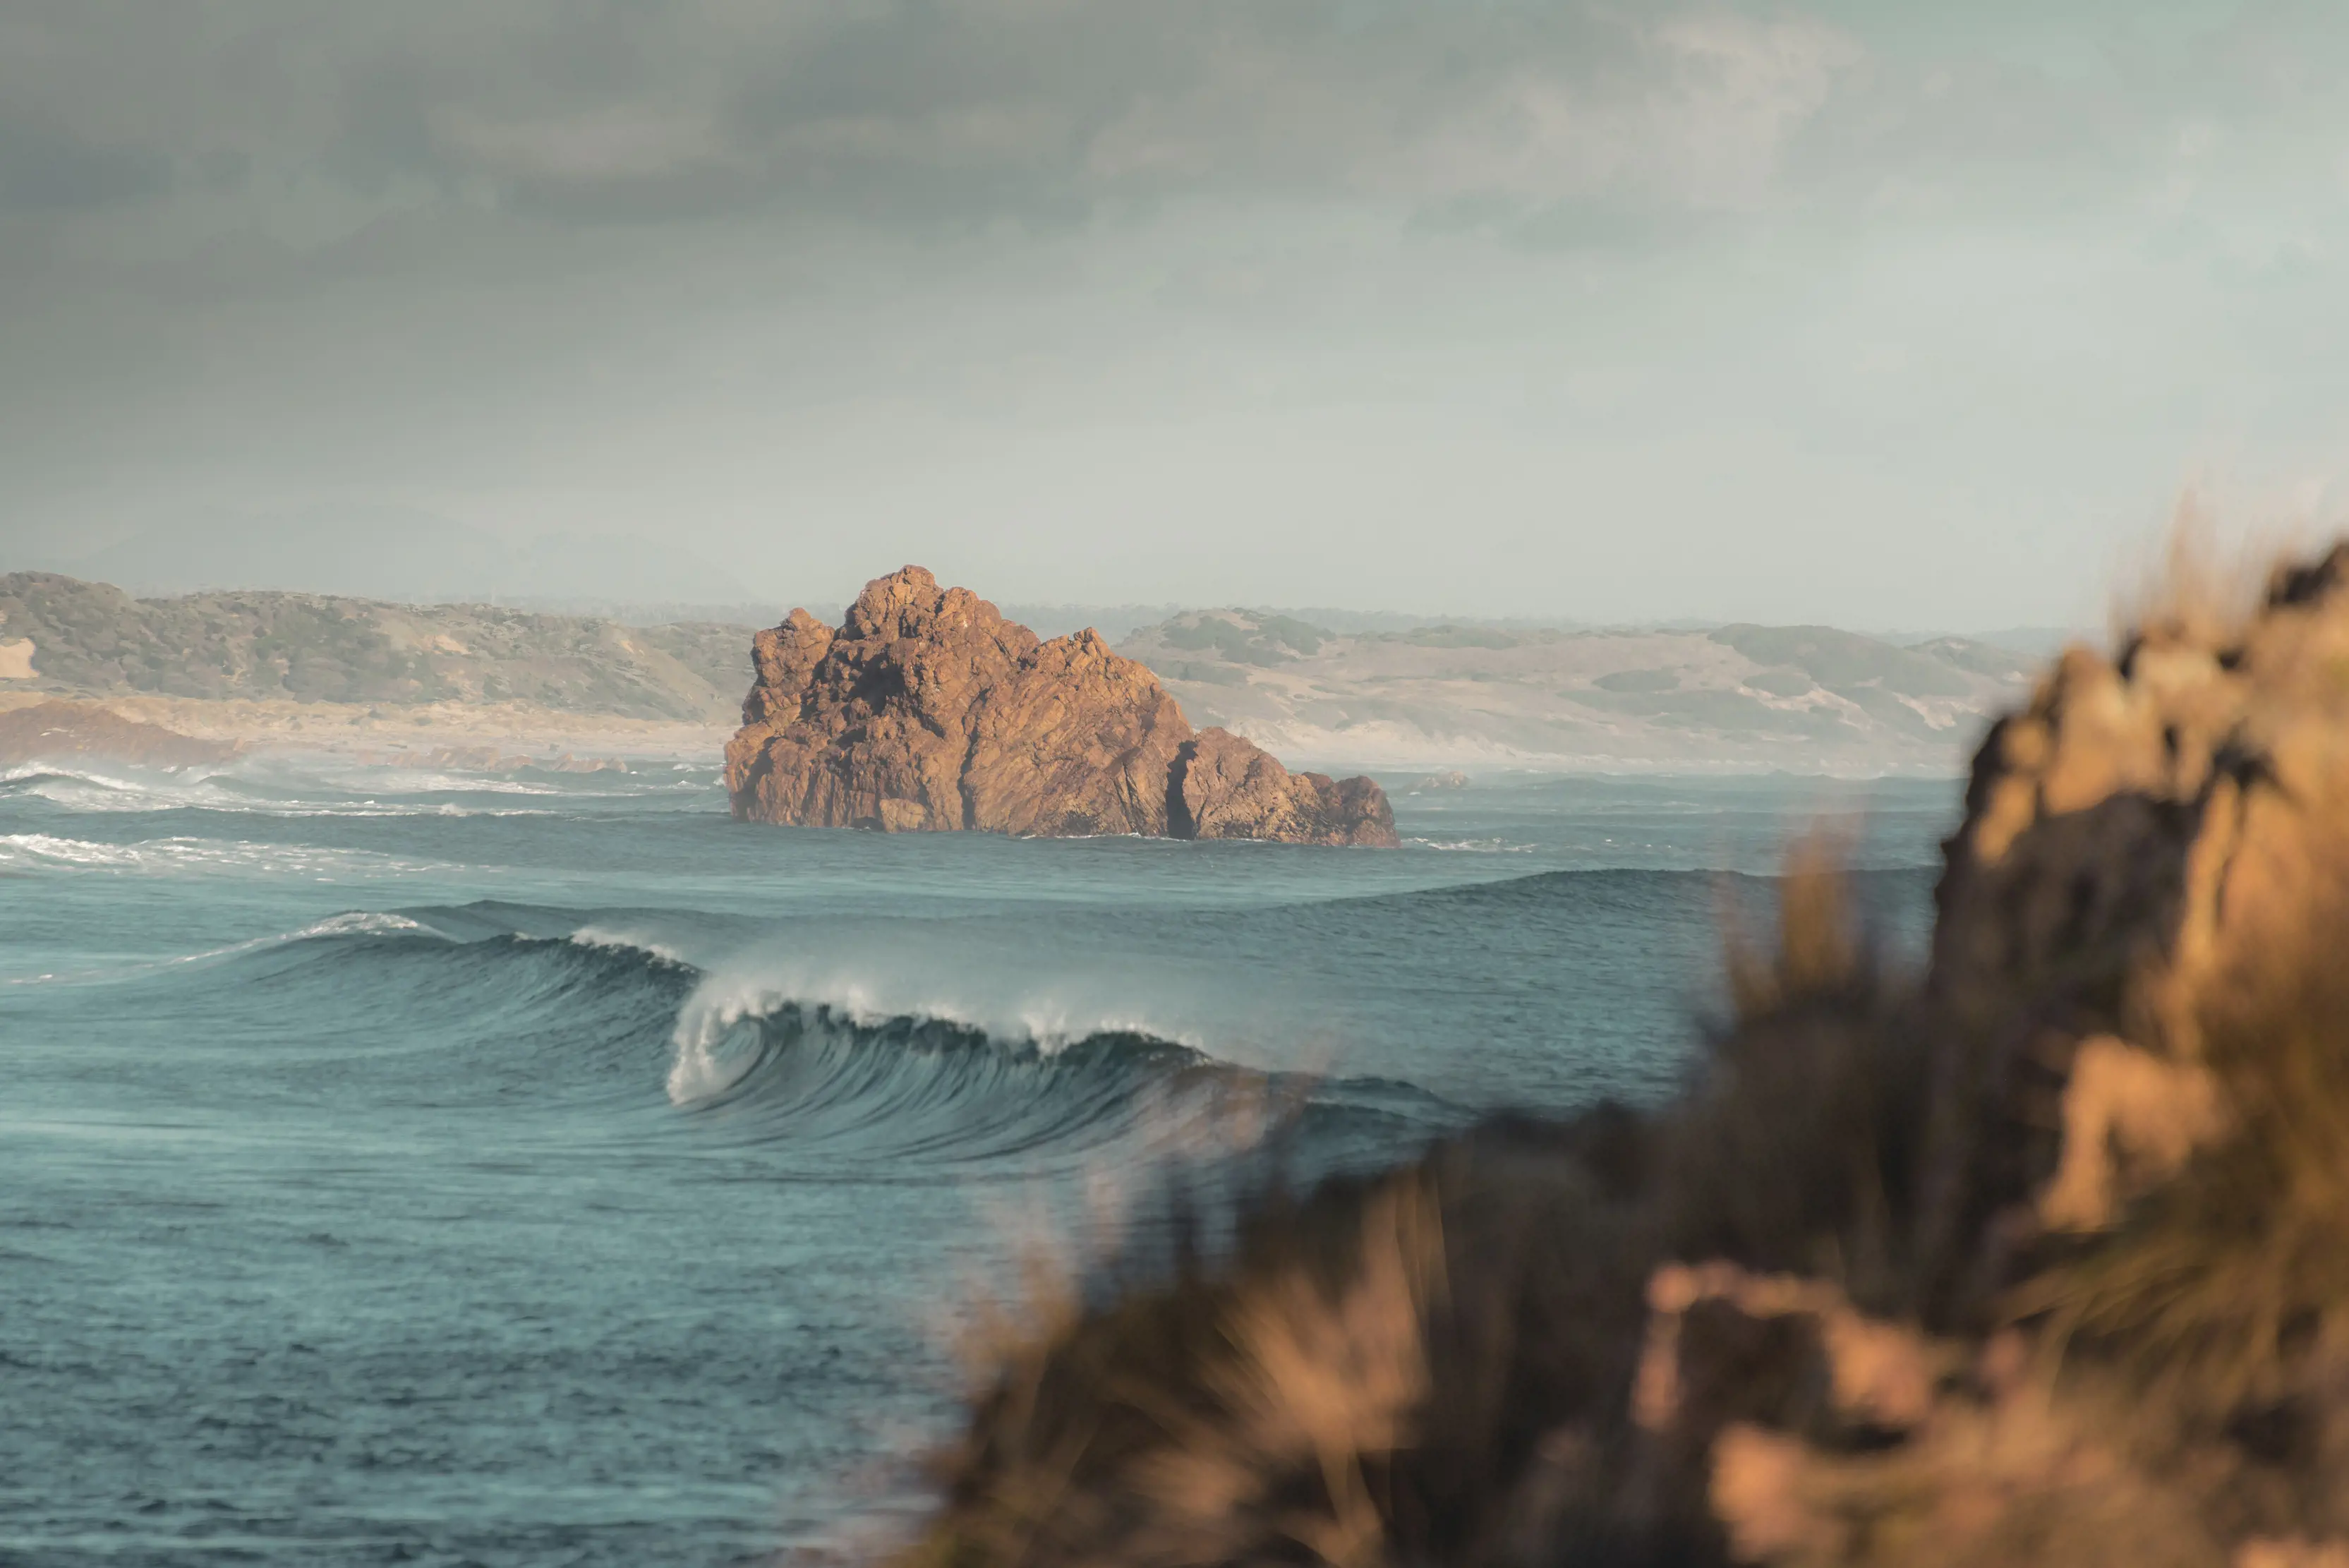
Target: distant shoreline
{"x": 381, "y": 733}
{"x": 439, "y": 734}
{"x": 370, "y": 679}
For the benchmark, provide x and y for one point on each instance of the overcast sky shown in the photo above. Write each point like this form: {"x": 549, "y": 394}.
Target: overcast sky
{"x": 1889, "y": 314}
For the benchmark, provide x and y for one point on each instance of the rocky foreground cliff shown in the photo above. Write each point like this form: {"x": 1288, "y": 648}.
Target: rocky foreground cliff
{"x": 2039, "y": 1257}
{"x": 926, "y": 711}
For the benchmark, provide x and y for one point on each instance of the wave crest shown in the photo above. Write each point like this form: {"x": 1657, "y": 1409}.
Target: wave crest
{"x": 838, "y": 1084}
{"x": 713, "y": 1049}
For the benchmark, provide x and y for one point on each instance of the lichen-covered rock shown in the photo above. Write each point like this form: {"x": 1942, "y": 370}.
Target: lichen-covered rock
{"x": 1228, "y": 787}
{"x": 927, "y": 710}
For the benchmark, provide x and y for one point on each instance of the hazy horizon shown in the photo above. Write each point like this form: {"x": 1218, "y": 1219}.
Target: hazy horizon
{"x": 1828, "y": 313}
{"x": 425, "y": 585}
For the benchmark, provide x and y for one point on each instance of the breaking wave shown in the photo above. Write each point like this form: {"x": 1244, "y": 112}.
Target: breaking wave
{"x": 98, "y": 791}
{"x": 187, "y": 853}
{"x": 475, "y": 1004}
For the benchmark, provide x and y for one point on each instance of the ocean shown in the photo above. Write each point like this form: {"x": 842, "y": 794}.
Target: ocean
{"x": 400, "y": 1166}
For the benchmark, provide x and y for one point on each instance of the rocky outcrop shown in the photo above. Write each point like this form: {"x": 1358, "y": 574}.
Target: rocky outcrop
{"x": 2148, "y": 828}
{"x": 72, "y": 731}
{"x": 2040, "y": 1257}
{"x": 2147, "y": 818}
{"x": 929, "y": 711}
{"x": 1227, "y": 788}
{"x": 1079, "y": 740}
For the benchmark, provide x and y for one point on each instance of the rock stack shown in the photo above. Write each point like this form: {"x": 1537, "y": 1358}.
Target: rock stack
{"x": 926, "y": 711}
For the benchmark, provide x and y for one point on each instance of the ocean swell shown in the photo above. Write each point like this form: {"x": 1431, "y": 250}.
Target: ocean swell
{"x": 96, "y": 791}
{"x": 859, "y": 1082}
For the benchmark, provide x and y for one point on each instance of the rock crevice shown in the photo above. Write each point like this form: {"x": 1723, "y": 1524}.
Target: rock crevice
{"x": 926, "y": 711}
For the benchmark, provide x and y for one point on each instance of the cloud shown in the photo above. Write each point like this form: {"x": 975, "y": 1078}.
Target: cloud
{"x": 1571, "y": 115}
{"x": 915, "y": 108}
{"x": 787, "y": 272}
{"x": 47, "y": 168}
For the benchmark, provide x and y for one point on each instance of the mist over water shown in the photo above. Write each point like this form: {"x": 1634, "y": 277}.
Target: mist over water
{"x": 400, "y": 1166}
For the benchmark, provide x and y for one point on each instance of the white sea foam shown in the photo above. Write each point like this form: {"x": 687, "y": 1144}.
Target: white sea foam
{"x": 1475, "y": 845}
{"x": 606, "y": 936}
{"x": 182, "y": 854}
{"x": 322, "y": 785}
{"x": 350, "y": 923}
{"x": 359, "y": 923}
{"x": 17, "y": 849}
{"x": 707, "y": 1057}
{"x": 404, "y": 782}
{"x": 91, "y": 790}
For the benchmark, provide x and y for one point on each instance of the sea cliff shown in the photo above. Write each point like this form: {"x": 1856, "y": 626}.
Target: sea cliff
{"x": 927, "y": 710}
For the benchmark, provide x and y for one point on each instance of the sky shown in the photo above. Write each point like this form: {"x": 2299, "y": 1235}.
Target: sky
{"x": 1880, "y": 315}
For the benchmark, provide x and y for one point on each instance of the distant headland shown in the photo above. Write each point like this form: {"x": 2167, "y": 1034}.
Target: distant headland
{"x": 926, "y": 711}
{"x": 369, "y": 677}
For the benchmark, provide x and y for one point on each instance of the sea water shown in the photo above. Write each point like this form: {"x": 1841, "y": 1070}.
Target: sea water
{"x": 400, "y": 1166}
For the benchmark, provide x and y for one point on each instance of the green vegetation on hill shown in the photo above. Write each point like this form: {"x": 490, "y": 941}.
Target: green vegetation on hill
{"x": 1244, "y": 637}
{"x": 1981, "y": 658}
{"x": 1840, "y": 660}
{"x": 92, "y": 638}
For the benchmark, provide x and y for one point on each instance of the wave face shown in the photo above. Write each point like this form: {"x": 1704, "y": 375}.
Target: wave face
{"x": 549, "y": 1027}
{"x": 548, "y": 1169}
{"x": 913, "y": 1089}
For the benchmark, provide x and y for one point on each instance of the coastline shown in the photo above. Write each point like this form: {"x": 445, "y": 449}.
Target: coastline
{"x": 392, "y": 734}
{"x": 510, "y": 732}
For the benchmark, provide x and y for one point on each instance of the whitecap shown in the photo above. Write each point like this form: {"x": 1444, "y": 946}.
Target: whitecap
{"x": 183, "y": 853}
{"x": 713, "y": 1042}
{"x": 350, "y": 923}
{"x": 626, "y": 941}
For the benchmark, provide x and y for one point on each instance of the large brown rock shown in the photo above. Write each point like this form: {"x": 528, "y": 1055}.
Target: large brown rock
{"x": 1227, "y": 788}
{"x": 927, "y": 710}
{"x": 1079, "y": 740}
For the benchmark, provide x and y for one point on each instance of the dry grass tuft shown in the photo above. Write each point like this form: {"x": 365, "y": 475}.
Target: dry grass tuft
{"x": 1793, "y": 1148}
{"x": 2204, "y": 588}
{"x": 2043, "y": 1257}
{"x": 2228, "y": 1287}
{"x": 1820, "y": 953}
